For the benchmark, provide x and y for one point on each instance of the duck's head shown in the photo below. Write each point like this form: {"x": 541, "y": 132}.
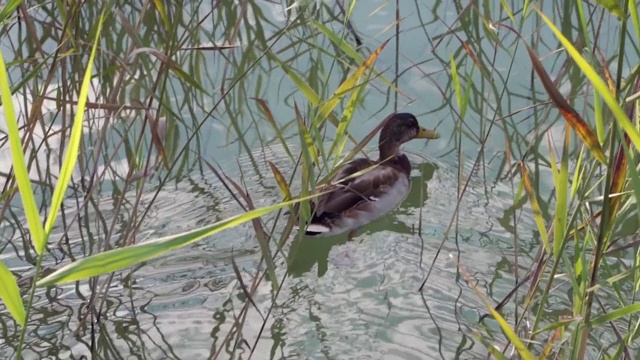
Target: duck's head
{"x": 399, "y": 129}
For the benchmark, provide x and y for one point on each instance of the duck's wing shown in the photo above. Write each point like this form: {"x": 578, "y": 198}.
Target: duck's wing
{"x": 347, "y": 193}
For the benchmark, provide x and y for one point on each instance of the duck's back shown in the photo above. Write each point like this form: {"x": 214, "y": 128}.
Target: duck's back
{"x": 357, "y": 199}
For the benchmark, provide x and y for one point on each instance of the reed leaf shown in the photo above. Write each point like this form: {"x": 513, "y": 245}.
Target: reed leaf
{"x": 506, "y": 328}
{"x": 567, "y": 111}
{"x": 10, "y": 295}
{"x": 347, "y": 85}
{"x": 71, "y": 153}
{"x": 615, "y": 314}
{"x": 122, "y": 258}
{"x": 599, "y": 85}
{"x": 612, "y": 6}
{"x": 535, "y": 206}
{"x": 19, "y": 164}
{"x": 8, "y": 8}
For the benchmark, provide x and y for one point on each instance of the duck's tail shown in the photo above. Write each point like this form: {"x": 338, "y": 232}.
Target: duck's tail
{"x": 316, "y": 229}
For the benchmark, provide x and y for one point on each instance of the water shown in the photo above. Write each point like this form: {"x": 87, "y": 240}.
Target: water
{"x": 339, "y": 299}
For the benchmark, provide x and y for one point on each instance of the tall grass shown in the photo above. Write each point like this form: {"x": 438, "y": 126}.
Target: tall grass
{"x": 590, "y": 201}
{"x": 143, "y": 98}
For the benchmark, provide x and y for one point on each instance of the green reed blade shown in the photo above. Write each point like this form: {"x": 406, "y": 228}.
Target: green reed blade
{"x": 535, "y": 206}
{"x": 71, "y": 153}
{"x": 612, "y": 6}
{"x": 163, "y": 13}
{"x": 507, "y": 9}
{"x": 19, "y": 164}
{"x": 338, "y": 41}
{"x": 493, "y": 349}
{"x": 562, "y": 197}
{"x": 122, "y": 258}
{"x": 615, "y": 314}
{"x": 583, "y": 24}
{"x": 504, "y": 325}
{"x": 456, "y": 81}
{"x": 598, "y": 84}
{"x": 10, "y": 294}
{"x": 337, "y": 147}
{"x": 558, "y": 324}
{"x": 311, "y": 94}
{"x": 8, "y": 8}
{"x": 633, "y": 13}
{"x": 350, "y": 51}
{"x": 347, "y": 85}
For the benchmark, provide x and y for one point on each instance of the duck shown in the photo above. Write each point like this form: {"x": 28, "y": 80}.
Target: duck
{"x": 363, "y": 190}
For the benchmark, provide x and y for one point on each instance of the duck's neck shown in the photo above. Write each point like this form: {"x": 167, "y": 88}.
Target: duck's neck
{"x": 388, "y": 150}
{"x": 390, "y": 155}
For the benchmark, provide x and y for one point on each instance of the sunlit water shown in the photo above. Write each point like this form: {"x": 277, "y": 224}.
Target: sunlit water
{"x": 342, "y": 300}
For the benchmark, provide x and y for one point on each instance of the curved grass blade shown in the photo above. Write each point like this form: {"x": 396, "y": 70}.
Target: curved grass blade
{"x": 338, "y": 41}
{"x": 337, "y": 147}
{"x": 615, "y": 314}
{"x": 507, "y": 9}
{"x": 311, "y": 94}
{"x": 71, "y": 153}
{"x": 562, "y": 323}
{"x": 598, "y": 84}
{"x": 19, "y": 165}
{"x": 350, "y": 51}
{"x": 567, "y": 111}
{"x": 10, "y": 295}
{"x": 506, "y": 328}
{"x": 163, "y": 13}
{"x": 633, "y": 13}
{"x": 304, "y": 87}
{"x": 8, "y": 9}
{"x": 612, "y": 6}
{"x": 173, "y": 66}
{"x": 490, "y": 347}
{"x": 348, "y": 85}
{"x": 282, "y": 182}
{"x": 261, "y": 234}
{"x": 535, "y": 206}
{"x": 118, "y": 259}
{"x": 264, "y": 108}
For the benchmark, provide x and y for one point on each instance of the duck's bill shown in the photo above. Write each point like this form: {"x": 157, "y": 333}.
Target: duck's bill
{"x": 427, "y": 134}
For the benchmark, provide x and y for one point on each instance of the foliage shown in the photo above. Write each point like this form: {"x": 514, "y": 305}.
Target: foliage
{"x": 109, "y": 107}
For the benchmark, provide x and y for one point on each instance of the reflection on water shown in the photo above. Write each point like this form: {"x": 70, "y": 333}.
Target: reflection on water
{"x": 343, "y": 299}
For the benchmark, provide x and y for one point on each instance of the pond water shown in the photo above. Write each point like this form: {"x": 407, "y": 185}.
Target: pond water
{"x": 338, "y": 299}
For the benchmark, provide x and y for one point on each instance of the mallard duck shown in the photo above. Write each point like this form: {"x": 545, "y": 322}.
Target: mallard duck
{"x": 363, "y": 190}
